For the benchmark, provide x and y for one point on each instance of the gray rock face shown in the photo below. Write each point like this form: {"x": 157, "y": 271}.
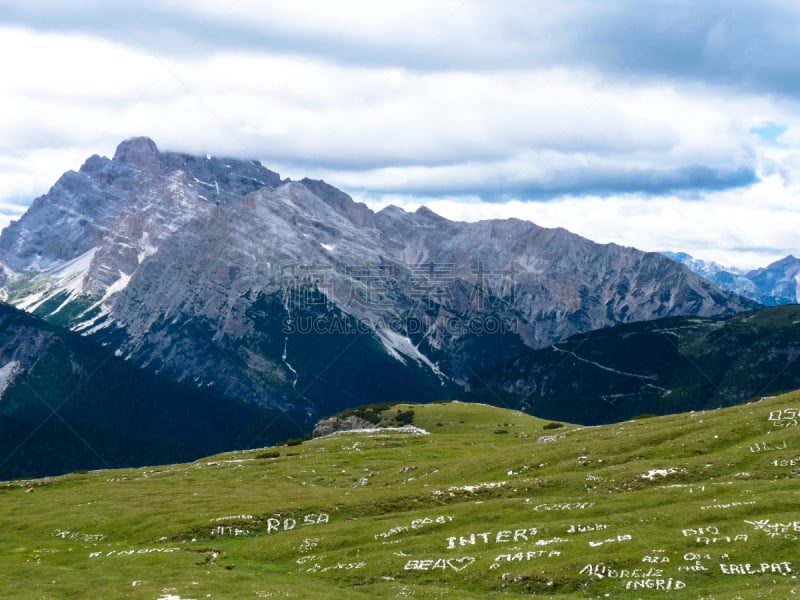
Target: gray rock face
{"x": 336, "y": 424}
{"x": 218, "y": 272}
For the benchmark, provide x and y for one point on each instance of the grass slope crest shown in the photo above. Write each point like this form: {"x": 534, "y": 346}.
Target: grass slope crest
{"x": 469, "y": 501}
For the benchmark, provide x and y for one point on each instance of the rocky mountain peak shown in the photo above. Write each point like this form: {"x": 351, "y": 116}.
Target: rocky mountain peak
{"x": 357, "y": 213}
{"x": 141, "y": 152}
{"x": 94, "y": 164}
{"x": 787, "y": 262}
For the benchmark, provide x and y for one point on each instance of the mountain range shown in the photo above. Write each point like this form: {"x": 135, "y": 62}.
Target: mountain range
{"x": 652, "y": 367}
{"x": 773, "y": 285}
{"x": 219, "y": 274}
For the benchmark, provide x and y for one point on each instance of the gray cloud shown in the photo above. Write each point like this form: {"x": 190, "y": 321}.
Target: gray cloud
{"x": 736, "y": 44}
{"x": 510, "y": 100}
{"x": 575, "y": 182}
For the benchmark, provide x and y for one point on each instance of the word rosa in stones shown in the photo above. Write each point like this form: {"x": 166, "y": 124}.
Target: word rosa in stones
{"x": 275, "y": 524}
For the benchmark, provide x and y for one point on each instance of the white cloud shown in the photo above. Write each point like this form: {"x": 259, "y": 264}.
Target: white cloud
{"x": 743, "y": 228}
{"x": 548, "y": 112}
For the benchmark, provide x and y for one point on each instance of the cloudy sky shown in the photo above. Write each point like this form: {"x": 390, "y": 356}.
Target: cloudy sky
{"x": 665, "y": 125}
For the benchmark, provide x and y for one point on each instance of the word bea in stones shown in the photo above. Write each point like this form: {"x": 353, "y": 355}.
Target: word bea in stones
{"x": 501, "y": 537}
{"x": 456, "y": 564}
{"x": 275, "y": 524}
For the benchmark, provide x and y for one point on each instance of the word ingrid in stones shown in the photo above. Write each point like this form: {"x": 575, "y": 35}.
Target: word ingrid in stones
{"x": 559, "y": 506}
{"x": 786, "y": 417}
{"x": 415, "y": 524}
{"x": 619, "y": 538}
{"x": 524, "y": 556}
{"x": 274, "y": 524}
{"x": 501, "y": 537}
{"x": 132, "y": 551}
{"x": 781, "y": 568}
{"x": 586, "y": 528}
{"x": 457, "y": 564}
{"x": 222, "y": 530}
{"x": 668, "y": 584}
{"x": 767, "y": 447}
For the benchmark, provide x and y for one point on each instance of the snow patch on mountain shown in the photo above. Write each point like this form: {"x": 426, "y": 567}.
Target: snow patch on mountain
{"x": 67, "y": 276}
{"x": 119, "y": 285}
{"x": 399, "y": 346}
{"x": 7, "y": 374}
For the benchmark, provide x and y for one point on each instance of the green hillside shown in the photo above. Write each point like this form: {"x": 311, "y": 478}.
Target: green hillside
{"x": 491, "y": 503}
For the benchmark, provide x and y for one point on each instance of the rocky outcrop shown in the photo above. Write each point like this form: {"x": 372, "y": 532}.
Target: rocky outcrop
{"x": 336, "y": 424}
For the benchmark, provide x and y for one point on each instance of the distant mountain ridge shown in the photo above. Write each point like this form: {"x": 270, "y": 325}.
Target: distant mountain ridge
{"x": 218, "y": 273}
{"x": 655, "y": 367}
{"x": 773, "y": 285}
